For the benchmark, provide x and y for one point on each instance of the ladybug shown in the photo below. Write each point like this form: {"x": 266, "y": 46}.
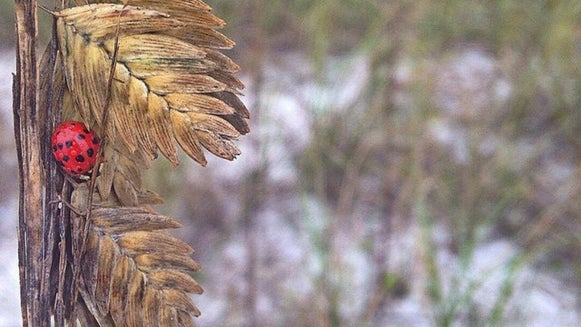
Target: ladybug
{"x": 75, "y": 147}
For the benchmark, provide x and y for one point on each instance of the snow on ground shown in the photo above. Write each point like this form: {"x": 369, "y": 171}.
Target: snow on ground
{"x": 9, "y": 289}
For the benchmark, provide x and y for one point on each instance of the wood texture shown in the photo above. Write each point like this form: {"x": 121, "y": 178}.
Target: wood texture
{"x": 32, "y": 237}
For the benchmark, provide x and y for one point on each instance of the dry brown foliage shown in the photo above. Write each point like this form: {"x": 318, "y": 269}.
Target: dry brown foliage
{"x": 146, "y": 75}
{"x": 135, "y": 273}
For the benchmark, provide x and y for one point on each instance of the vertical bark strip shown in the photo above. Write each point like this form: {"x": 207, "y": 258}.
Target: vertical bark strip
{"x": 31, "y": 250}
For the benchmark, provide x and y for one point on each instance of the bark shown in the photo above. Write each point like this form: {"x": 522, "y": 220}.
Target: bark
{"x": 34, "y": 269}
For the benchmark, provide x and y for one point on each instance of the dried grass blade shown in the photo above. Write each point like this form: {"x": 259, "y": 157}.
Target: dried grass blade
{"x": 139, "y": 242}
{"x": 183, "y": 130}
{"x": 184, "y": 83}
{"x": 120, "y": 280}
{"x": 200, "y": 103}
{"x": 108, "y": 257}
{"x": 180, "y": 301}
{"x": 162, "y": 130}
{"x": 149, "y": 262}
{"x": 168, "y": 278}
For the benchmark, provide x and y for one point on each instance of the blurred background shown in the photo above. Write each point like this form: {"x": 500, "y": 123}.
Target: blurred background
{"x": 411, "y": 163}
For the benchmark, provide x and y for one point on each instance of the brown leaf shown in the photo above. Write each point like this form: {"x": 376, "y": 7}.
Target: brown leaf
{"x": 133, "y": 312}
{"x": 170, "y": 84}
{"x": 125, "y": 191}
{"x": 152, "y": 306}
{"x": 149, "y": 262}
{"x": 169, "y": 317}
{"x": 218, "y": 145}
{"x": 162, "y": 127}
{"x": 184, "y": 83}
{"x": 132, "y": 219}
{"x": 204, "y": 37}
{"x": 137, "y": 276}
{"x": 146, "y": 46}
{"x": 180, "y": 301}
{"x": 91, "y": 259}
{"x": 200, "y": 103}
{"x": 184, "y": 319}
{"x": 139, "y": 242}
{"x": 97, "y": 22}
{"x": 185, "y": 136}
{"x": 174, "y": 279}
{"x": 213, "y": 124}
{"x": 169, "y": 52}
{"x": 192, "y": 12}
{"x": 138, "y": 109}
{"x": 120, "y": 278}
{"x": 108, "y": 256}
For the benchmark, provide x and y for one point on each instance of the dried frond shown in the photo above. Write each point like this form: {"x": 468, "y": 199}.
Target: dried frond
{"x": 170, "y": 83}
{"x": 171, "y": 86}
{"x": 122, "y": 176}
{"x": 134, "y": 271}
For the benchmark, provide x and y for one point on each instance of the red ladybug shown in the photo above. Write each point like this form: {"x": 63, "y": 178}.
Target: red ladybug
{"x": 75, "y": 147}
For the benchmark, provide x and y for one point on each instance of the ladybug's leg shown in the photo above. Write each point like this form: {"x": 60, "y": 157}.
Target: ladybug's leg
{"x": 87, "y": 176}
{"x": 84, "y": 177}
{"x": 60, "y": 201}
{"x": 71, "y": 180}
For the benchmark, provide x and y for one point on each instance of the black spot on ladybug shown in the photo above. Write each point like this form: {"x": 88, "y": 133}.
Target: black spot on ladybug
{"x": 81, "y": 136}
{"x": 69, "y": 144}
{"x": 79, "y": 169}
{"x": 80, "y": 158}
{"x": 66, "y": 158}
{"x": 95, "y": 140}
{"x": 54, "y": 148}
{"x": 90, "y": 152}
{"x": 60, "y": 146}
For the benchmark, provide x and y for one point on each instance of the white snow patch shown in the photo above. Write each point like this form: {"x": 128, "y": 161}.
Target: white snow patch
{"x": 7, "y": 66}
{"x": 469, "y": 84}
{"x": 452, "y": 136}
{"x": 9, "y": 287}
{"x": 9, "y": 277}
